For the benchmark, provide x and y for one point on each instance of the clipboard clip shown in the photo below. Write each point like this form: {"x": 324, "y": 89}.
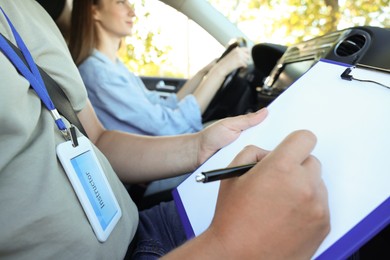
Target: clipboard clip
{"x": 346, "y": 75}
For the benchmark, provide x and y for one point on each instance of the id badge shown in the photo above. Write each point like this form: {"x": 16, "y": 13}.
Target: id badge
{"x": 90, "y": 185}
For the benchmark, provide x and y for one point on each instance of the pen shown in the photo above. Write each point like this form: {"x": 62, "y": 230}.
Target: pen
{"x": 224, "y": 173}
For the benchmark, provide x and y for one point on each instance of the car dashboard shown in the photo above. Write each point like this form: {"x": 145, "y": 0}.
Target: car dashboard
{"x": 279, "y": 67}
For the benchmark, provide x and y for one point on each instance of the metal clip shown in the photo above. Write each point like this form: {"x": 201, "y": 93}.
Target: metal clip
{"x": 66, "y": 134}
{"x": 60, "y": 124}
{"x": 73, "y": 136}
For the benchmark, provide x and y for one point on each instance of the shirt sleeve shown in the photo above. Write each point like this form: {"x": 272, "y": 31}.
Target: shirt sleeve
{"x": 124, "y": 104}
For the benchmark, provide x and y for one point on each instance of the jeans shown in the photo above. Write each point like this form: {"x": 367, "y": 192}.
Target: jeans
{"x": 159, "y": 231}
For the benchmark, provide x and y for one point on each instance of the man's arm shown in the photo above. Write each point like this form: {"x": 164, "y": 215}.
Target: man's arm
{"x": 138, "y": 158}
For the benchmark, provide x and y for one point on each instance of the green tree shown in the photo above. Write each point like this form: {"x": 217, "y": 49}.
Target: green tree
{"x": 140, "y": 52}
{"x": 279, "y": 21}
{"x": 299, "y": 20}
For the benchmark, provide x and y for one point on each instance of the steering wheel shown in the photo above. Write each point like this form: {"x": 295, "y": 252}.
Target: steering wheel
{"x": 227, "y": 101}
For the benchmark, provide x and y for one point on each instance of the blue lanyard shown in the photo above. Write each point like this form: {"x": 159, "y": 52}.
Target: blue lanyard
{"x": 31, "y": 74}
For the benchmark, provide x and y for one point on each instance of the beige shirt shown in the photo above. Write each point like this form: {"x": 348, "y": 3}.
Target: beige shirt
{"x": 40, "y": 216}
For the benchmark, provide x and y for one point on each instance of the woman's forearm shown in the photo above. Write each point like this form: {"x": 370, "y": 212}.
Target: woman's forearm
{"x": 190, "y": 86}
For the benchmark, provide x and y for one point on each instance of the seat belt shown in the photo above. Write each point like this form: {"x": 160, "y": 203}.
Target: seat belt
{"x": 56, "y": 93}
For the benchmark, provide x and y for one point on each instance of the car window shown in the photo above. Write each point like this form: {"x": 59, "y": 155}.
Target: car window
{"x": 292, "y": 21}
{"x": 166, "y": 43}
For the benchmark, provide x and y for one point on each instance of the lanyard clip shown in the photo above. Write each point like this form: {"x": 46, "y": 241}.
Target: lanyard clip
{"x": 65, "y": 134}
{"x": 68, "y": 133}
{"x": 73, "y": 136}
{"x": 60, "y": 124}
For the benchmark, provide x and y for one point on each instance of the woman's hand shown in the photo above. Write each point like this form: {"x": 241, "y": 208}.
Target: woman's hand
{"x": 237, "y": 58}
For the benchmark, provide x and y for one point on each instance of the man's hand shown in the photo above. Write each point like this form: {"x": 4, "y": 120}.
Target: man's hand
{"x": 278, "y": 209}
{"x": 225, "y": 131}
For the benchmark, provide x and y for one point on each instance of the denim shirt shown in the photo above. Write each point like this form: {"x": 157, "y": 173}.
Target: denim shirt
{"x": 122, "y": 101}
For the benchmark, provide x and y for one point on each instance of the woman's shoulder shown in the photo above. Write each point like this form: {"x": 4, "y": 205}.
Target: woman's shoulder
{"x": 99, "y": 69}
{"x": 94, "y": 60}
{"x": 96, "y": 66}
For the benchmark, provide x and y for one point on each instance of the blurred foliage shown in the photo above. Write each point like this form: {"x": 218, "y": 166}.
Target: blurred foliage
{"x": 278, "y": 21}
{"x": 292, "y": 21}
{"x": 140, "y": 52}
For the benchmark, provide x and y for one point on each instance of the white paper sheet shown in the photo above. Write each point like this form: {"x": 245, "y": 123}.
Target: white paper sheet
{"x": 351, "y": 120}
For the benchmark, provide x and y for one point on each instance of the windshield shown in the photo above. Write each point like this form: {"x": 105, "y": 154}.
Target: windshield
{"x": 292, "y": 21}
{"x": 166, "y": 43}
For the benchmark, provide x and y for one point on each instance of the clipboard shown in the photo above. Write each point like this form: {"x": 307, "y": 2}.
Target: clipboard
{"x": 352, "y": 125}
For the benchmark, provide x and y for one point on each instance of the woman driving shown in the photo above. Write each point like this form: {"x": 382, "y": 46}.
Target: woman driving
{"x": 120, "y": 98}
